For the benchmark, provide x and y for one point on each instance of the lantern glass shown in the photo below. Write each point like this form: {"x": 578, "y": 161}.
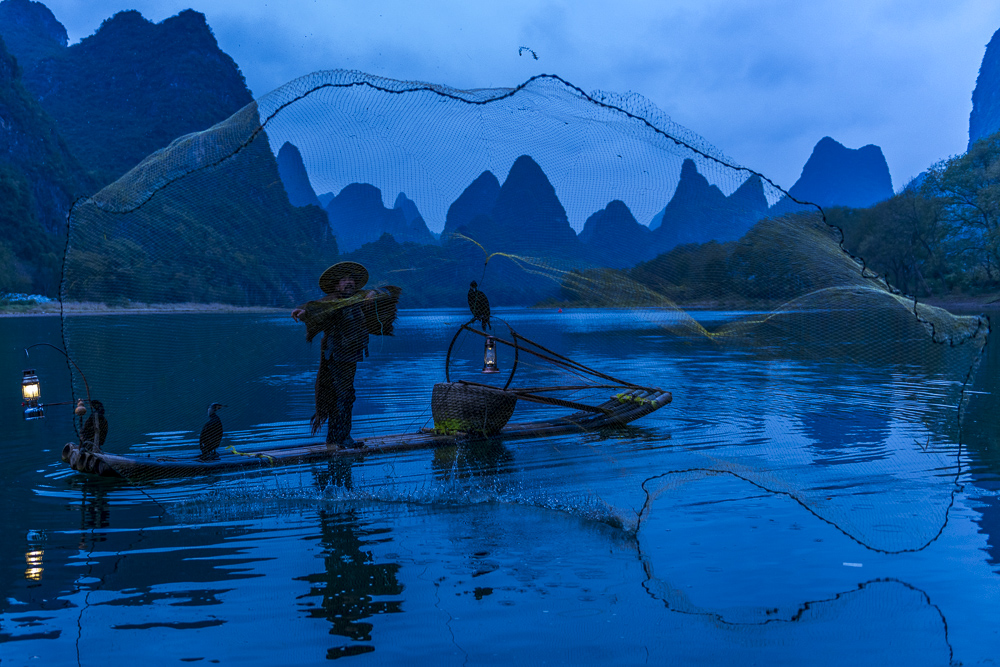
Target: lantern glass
{"x": 490, "y": 356}
{"x": 30, "y": 388}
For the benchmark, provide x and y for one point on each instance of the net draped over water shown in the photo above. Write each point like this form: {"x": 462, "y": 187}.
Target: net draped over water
{"x": 795, "y": 371}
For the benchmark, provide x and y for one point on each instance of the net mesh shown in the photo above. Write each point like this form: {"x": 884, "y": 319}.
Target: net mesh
{"x": 793, "y": 368}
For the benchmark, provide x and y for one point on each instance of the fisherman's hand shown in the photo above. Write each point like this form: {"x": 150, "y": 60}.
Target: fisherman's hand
{"x": 297, "y": 314}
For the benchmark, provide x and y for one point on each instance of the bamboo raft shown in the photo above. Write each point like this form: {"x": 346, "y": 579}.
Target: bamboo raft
{"x": 617, "y": 411}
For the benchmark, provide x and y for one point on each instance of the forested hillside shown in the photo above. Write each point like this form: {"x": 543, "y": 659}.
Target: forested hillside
{"x": 940, "y": 237}
{"x": 39, "y": 179}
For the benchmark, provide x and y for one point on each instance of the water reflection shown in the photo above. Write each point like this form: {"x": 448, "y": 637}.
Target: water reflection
{"x": 856, "y": 437}
{"x": 981, "y": 434}
{"x": 351, "y": 583}
{"x": 466, "y": 460}
{"x": 33, "y": 561}
{"x": 310, "y": 554}
{"x": 335, "y": 473}
{"x": 95, "y": 509}
{"x": 989, "y": 524}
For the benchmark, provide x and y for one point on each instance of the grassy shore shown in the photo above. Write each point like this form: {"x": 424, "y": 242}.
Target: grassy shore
{"x": 89, "y": 308}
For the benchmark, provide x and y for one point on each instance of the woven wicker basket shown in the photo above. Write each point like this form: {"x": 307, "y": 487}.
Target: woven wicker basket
{"x": 472, "y": 409}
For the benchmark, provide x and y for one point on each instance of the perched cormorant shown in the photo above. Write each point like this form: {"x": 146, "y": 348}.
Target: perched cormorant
{"x": 211, "y": 433}
{"x": 479, "y": 305}
{"x": 95, "y": 429}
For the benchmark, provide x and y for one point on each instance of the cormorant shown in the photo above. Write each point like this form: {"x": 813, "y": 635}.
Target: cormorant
{"x": 95, "y": 429}
{"x": 211, "y": 434}
{"x": 479, "y": 305}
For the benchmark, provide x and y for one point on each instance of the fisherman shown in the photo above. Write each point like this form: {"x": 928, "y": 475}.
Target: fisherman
{"x": 345, "y": 343}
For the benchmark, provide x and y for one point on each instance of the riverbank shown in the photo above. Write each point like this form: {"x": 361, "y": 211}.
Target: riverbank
{"x": 957, "y": 304}
{"x": 53, "y": 308}
{"x": 965, "y": 304}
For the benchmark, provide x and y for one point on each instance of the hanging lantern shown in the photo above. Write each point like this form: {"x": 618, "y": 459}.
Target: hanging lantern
{"x": 30, "y": 388}
{"x": 490, "y": 356}
{"x": 31, "y": 393}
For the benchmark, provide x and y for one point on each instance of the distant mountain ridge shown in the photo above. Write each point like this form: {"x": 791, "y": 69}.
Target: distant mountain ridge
{"x": 414, "y": 221}
{"x": 293, "y": 175}
{"x": 75, "y": 118}
{"x": 985, "y": 117}
{"x": 613, "y": 238}
{"x": 247, "y": 247}
{"x": 835, "y": 175}
{"x": 699, "y": 212}
{"x": 39, "y": 179}
{"x": 357, "y": 216}
{"x": 526, "y": 218}
{"x": 134, "y": 86}
{"x": 476, "y": 200}
{"x": 31, "y": 31}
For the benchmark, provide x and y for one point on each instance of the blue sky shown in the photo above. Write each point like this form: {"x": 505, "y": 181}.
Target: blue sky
{"x": 762, "y": 81}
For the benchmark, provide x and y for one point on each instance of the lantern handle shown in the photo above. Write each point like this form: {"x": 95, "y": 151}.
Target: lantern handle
{"x": 69, "y": 358}
{"x": 447, "y": 357}
{"x": 517, "y": 349}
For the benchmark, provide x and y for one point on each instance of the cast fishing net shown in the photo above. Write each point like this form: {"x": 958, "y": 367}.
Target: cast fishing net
{"x": 795, "y": 371}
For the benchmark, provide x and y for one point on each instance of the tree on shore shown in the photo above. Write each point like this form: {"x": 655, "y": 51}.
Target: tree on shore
{"x": 939, "y": 237}
{"x": 968, "y": 189}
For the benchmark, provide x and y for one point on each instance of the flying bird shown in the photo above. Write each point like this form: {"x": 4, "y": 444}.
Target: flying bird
{"x": 479, "y": 305}
{"x": 95, "y": 429}
{"x": 211, "y": 434}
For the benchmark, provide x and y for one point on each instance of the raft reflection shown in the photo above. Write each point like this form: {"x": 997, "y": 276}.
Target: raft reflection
{"x": 473, "y": 459}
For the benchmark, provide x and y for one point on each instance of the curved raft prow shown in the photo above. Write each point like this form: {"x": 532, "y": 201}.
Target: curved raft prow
{"x": 617, "y": 411}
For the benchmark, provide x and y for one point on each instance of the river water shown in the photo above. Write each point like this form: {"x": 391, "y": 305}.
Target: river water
{"x": 785, "y": 509}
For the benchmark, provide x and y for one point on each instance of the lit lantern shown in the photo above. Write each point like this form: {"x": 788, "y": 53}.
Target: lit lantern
{"x": 31, "y": 392}
{"x": 490, "y": 356}
{"x": 30, "y": 389}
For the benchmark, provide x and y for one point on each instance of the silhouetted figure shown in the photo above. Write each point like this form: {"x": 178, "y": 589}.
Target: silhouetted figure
{"x": 95, "y": 429}
{"x": 211, "y": 434}
{"x": 341, "y": 318}
{"x": 479, "y": 305}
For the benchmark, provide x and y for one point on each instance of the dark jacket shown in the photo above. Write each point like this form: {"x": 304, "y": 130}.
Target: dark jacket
{"x": 345, "y": 336}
